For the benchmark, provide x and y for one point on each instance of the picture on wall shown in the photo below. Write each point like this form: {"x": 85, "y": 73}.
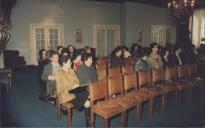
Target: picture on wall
{"x": 79, "y": 35}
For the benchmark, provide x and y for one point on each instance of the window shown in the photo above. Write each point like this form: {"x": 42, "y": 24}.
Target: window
{"x": 106, "y": 38}
{"x": 45, "y": 37}
{"x": 198, "y": 30}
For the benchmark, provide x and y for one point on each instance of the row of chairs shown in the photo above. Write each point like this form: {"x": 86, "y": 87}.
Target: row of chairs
{"x": 124, "y": 88}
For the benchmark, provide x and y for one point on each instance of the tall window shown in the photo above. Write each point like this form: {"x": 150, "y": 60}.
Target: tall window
{"x": 106, "y": 38}
{"x": 198, "y": 30}
{"x": 45, "y": 37}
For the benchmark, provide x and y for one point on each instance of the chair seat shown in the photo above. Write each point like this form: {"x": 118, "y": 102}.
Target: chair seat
{"x": 169, "y": 87}
{"x": 154, "y": 91}
{"x": 139, "y": 95}
{"x": 125, "y": 101}
{"x": 181, "y": 85}
{"x": 108, "y": 109}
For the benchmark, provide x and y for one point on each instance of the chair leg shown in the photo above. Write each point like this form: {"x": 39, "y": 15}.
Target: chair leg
{"x": 178, "y": 96}
{"x": 58, "y": 109}
{"x": 7, "y": 88}
{"x": 190, "y": 95}
{"x": 92, "y": 119}
{"x": 164, "y": 101}
{"x": 106, "y": 123}
{"x": 139, "y": 112}
{"x": 124, "y": 119}
{"x": 152, "y": 105}
{"x": 69, "y": 117}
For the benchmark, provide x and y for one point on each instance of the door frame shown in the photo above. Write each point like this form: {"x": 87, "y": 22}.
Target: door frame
{"x": 105, "y": 26}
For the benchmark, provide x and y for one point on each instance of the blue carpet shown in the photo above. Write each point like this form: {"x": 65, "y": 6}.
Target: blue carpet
{"x": 22, "y": 108}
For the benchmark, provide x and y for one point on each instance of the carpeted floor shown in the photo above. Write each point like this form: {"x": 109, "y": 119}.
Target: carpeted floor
{"x": 22, "y": 108}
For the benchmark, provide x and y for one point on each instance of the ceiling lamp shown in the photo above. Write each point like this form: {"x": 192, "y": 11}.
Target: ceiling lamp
{"x": 181, "y": 8}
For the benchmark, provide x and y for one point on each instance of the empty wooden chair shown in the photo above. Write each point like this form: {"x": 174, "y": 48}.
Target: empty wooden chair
{"x": 101, "y": 65}
{"x": 106, "y": 109}
{"x": 102, "y": 74}
{"x": 146, "y": 84}
{"x": 116, "y": 93}
{"x": 127, "y": 61}
{"x": 130, "y": 88}
{"x": 114, "y": 72}
{"x": 127, "y": 69}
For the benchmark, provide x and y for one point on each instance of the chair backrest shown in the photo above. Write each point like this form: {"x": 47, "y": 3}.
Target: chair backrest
{"x": 144, "y": 78}
{"x": 127, "y": 61}
{"x": 192, "y": 70}
{"x": 115, "y": 86}
{"x": 127, "y": 69}
{"x": 157, "y": 75}
{"x": 102, "y": 65}
{"x": 182, "y": 71}
{"x": 171, "y": 73}
{"x": 98, "y": 90}
{"x": 114, "y": 72}
{"x": 130, "y": 81}
{"x": 102, "y": 74}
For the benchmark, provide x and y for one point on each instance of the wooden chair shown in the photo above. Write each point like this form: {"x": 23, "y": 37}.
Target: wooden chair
{"x": 101, "y": 65}
{"x": 114, "y": 72}
{"x": 170, "y": 78}
{"x": 69, "y": 108}
{"x": 7, "y": 73}
{"x": 130, "y": 88}
{"x": 100, "y": 104}
{"x": 127, "y": 69}
{"x": 127, "y": 61}
{"x": 102, "y": 74}
{"x": 146, "y": 84}
{"x": 181, "y": 83}
{"x": 116, "y": 94}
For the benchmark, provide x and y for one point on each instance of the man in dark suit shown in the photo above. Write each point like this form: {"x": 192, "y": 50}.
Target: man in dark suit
{"x": 177, "y": 58}
{"x": 48, "y": 75}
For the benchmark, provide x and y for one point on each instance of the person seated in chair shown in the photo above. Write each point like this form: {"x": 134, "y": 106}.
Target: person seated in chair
{"x": 116, "y": 59}
{"x": 143, "y": 63}
{"x": 67, "y": 80}
{"x": 48, "y": 75}
{"x": 154, "y": 57}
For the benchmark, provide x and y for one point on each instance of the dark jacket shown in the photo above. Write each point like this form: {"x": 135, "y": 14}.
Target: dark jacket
{"x": 87, "y": 74}
{"x": 116, "y": 61}
{"x": 175, "y": 60}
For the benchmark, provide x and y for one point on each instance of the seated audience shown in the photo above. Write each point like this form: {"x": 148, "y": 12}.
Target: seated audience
{"x": 135, "y": 50}
{"x": 116, "y": 59}
{"x": 71, "y": 50}
{"x": 154, "y": 57}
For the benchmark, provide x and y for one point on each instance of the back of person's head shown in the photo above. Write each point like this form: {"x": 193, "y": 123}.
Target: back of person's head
{"x": 64, "y": 59}
{"x": 152, "y": 45}
{"x": 52, "y": 53}
{"x": 76, "y": 54}
{"x": 64, "y": 51}
{"x": 86, "y": 56}
{"x": 144, "y": 52}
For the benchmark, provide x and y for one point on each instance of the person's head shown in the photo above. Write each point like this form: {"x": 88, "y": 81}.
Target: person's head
{"x": 87, "y": 49}
{"x": 54, "y": 56}
{"x": 154, "y": 47}
{"x": 77, "y": 57}
{"x": 166, "y": 52}
{"x": 59, "y": 49}
{"x": 178, "y": 50}
{"x": 42, "y": 54}
{"x": 71, "y": 48}
{"x": 65, "y": 62}
{"x": 87, "y": 59}
{"x": 144, "y": 55}
{"x": 118, "y": 51}
{"x": 64, "y": 52}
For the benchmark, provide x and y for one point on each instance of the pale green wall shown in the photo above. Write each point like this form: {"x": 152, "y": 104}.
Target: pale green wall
{"x": 81, "y": 14}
